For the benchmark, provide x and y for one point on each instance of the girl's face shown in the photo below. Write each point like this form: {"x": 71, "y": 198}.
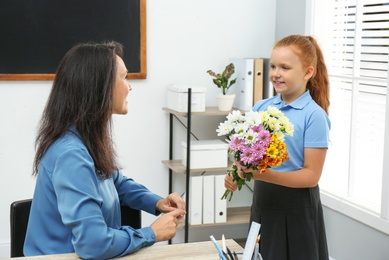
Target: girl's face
{"x": 121, "y": 89}
{"x": 287, "y": 73}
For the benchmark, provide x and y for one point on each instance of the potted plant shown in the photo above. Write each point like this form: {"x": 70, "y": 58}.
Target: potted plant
{"x": 222, "y": 80}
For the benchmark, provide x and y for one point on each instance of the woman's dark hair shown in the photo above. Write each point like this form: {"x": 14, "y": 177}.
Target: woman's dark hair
{"x": 81, "y": 96}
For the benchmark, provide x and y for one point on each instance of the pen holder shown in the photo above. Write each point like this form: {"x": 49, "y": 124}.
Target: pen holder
{"x": 257, "y": 255}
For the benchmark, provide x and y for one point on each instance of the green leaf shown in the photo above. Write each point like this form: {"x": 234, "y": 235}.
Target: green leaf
{"x": 232, "y": 82}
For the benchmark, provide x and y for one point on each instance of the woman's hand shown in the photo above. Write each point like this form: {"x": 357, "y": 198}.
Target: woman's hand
{"x": 172, "y": 202}
{"x": 165, "y": 227}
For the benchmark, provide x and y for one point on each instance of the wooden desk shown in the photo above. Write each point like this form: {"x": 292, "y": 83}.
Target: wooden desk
{"x": 197, "y": 250}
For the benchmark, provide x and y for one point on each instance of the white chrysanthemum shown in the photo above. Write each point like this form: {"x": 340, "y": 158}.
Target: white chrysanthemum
{"x": 283, "y": 120}
{"x": 286, "y": 126}
{"x": 225, "y": 128}
{"x": 274, "y": 112}
{"x": 273, "y": 124}
{"x": 253, "y": 118}
{"x": 264, "y": 116}
{"x": 240, "y": 129}
{"x": 289, "y": 129}
{"x": 283, "y": 123}
{"x": 250, "y": 137}
{"x": 235, "y": 116}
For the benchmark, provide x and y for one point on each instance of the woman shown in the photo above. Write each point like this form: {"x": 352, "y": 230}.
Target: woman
{"x": 79, "y": 189}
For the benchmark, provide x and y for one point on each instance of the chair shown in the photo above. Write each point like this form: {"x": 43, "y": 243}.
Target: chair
{"x": 131, "y": 217}
{"x": 20, "y": 211}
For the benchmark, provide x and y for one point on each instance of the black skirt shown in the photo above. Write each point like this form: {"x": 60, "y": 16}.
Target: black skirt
{"x": 292, "y": 223}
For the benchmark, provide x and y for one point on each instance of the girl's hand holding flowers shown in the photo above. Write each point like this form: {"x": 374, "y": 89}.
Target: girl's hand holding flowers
{"x": 229, "y": 183}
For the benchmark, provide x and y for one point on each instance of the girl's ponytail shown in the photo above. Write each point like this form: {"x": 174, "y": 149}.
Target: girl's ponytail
{"x": 318, "y": 85}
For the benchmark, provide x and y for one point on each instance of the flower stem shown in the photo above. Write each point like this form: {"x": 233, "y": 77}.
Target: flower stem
{"x": 225, "y": 195}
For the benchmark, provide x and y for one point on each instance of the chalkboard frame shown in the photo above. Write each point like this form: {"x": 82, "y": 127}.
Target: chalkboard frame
{"x": 141, "y": 74}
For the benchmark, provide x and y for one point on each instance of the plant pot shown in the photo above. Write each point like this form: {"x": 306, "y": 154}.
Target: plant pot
{"x": 225, "y": 102}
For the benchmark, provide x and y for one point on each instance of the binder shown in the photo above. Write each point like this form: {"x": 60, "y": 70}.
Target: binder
{"x": 258, "y": 80}
{"x": 220, "y": 205}
{"x": 249, "y": 74}
{"x": 208, "y": 199}
{"x": 195, "y": 200}
{"x": 268, "y": 89}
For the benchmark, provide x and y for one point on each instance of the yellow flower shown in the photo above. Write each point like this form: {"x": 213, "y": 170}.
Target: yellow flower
{"x": 272, "y": 151}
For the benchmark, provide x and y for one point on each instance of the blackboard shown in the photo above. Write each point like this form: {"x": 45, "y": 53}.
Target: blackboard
{"x": 36, "y": 34}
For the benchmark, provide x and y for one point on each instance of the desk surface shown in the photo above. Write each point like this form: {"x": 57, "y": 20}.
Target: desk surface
{"x": 197, "y": 250}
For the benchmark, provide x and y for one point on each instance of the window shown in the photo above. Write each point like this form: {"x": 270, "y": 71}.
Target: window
{"x": 354, "y": 37}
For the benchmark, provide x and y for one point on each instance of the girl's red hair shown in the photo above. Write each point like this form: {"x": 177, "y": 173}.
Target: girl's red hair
{"x": 310, "y": 54}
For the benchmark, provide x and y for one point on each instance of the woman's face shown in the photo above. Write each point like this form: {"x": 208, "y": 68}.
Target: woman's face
{"x": 121, "y": 89}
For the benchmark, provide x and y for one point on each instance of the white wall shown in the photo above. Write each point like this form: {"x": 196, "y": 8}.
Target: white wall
{"x": 184, "y": 39}
{"x": 290, "y": 17}
{"x": 349, "y": 239}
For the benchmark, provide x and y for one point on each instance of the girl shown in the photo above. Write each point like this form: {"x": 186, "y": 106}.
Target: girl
{"x": 286, "y": 199}
{"x": 79, "y": 189}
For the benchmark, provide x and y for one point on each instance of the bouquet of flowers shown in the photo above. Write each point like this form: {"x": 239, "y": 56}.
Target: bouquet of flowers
{"x": 256, "y": 139}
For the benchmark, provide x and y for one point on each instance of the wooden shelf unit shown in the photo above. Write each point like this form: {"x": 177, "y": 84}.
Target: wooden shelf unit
{"x": 178, "y": 167}
{"x": 235, "y": 216}
{"x": 209, "y": 111}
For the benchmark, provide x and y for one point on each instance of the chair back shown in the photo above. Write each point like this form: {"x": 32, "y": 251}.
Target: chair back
{"x": 131, "y": 217}
{"x": 20, "y": 212}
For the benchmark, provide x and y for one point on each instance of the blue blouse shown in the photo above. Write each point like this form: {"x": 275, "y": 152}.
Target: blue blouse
{"x": 74, "y": 211}
{"x": 311, "y": 127}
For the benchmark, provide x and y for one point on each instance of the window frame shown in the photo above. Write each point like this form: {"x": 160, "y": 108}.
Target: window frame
{"x": 345, "y": 204}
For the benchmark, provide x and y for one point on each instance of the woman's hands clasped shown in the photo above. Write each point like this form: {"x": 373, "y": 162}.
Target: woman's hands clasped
{"x": 165, "y": 226}
{"x": 170, "y": 203}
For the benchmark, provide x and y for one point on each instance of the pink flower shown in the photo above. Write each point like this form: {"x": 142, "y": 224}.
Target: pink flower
{"x": 236, "y": 144}
{"x": 257, "y": 128}
{"x": 260, "y": 150}
{"x": 264, "y": 137}
{"x": 248, "y": 155}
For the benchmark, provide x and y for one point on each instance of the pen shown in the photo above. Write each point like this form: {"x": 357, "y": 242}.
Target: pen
{"x": 235, "y": 256}
{"x": 224, "y": 244}
{"x": 217, "y": 248}
{"x": 230, "y": 254}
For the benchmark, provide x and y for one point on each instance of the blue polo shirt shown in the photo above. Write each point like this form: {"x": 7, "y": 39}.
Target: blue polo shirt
{"x": 75, "y": 211}
{"x": 311, "y": 127}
